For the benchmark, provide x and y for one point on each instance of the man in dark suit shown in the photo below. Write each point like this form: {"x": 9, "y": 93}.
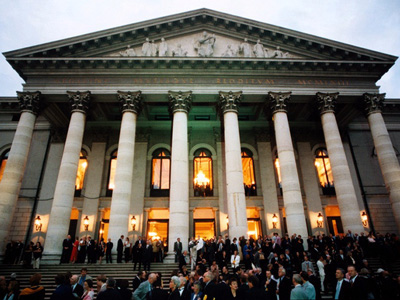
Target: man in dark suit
{"x": 284, "y": 285}
{"x": 110, "y": 292}
{"x": 227, "y": 246}
{"x": 183, "y": 260}
{"x": 177, "y": 249}
{"x": 254, "y": 292}
{"x": 147, "y": 255}
{"x": 359, "y": 286}
{"x": 109, "y": 247}
{"x": 210, "y": 288}
{"x": 139, "y": 278}
{"x": 63, "y": 291}
{"x": 67, "y": 249}
{"x": 120, "y": 249}
{"x": 270, "y": 286}
{"x": 77, "y": 289}
{"x": 342, "y": 288}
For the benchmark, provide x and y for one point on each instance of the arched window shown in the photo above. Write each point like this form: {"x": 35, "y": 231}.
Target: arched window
{"x": 160, "y": 163}
{"x": 3, "y": 161}
{"x": 324, "y": 170}
{"x": 203, "y": 181}
{"x": 249, "y": 180}
{"x": 111, "y": 173}
{"x": 80, "y": 175}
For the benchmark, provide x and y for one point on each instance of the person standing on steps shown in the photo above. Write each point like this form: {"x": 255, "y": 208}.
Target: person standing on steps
{"x": 177, "y": 249}
{"x": 120, "y": 249}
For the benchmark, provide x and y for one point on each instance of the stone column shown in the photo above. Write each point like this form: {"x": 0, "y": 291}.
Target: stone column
{"x": 121, "y": 198}
{"x": 179, "y": 105}
{"x": 293, "y": 202}
{"x": 384, "y": 149}
{"x": 10, "y": 184}
{"x": 345, "y": 193}
{"x": 236, "y": 201}
{"x": 65, "y": 187}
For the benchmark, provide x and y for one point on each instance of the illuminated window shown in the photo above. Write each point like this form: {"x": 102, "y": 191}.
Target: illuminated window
{"x": 203, "y": 182}
{"x": 278, "y": 171}
{"x": 111, "y": 174}
{"x": 160, "y": 163}
{"x": 3, "y": 160}
{"x": 249, "y": 180}
{"x": 324, "y": 170}
{"x": 80, "y": 175}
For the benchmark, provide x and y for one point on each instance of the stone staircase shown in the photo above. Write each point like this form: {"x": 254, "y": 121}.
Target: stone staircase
{"x": 117, "y": 271}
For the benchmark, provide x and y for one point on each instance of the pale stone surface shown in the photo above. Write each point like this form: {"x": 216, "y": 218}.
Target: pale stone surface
{"x": 294, "y": 208}
{"x": 121, "y": 198}
{"x": 179, "y": 185}
{"x": 311, "y": 187}
{"x": 234, "y": 177}
{"x": 92, "y": 187}
{"x": 268, "y": 185}
{"x": 387, "y": 160}
{"x": 11, "y": 182}
{"x": 65, "y": 187}
{"x": 345, "y": 193}
{"x": 223, "y": 210}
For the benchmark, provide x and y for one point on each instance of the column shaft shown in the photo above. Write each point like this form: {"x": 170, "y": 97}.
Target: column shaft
{"x": 12, "y": 178}
{"x": 65, "y": 187}
{"x": 387, "y": 160}
{"x": 345, "y": 193}
{"x": 294, "y": 207}
{"x": 121, "y": 198}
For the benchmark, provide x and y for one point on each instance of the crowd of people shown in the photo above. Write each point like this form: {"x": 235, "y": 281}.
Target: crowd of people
{"x": 275, "y": 268}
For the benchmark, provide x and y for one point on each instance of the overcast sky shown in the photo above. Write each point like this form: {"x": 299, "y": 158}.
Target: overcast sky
{"x": 371, "y": 24}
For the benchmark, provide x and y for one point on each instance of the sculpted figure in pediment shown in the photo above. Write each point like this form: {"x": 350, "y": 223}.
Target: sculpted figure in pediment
{"x": 154, "y": 48}
{"x": 205, "y": 45}
{"x": 245, "y": 48}
{"x": 128, "y": 52}
{"x": 278, "y": 53}
{"x": 179, "y": 52}
{"x": 163, "y": 48}
{"x": 146, "y": 48}
{"x": 259, "y": 50}
{"x": 229, "y": 52}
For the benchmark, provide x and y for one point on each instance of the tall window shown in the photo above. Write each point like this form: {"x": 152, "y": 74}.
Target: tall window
{"x": 80, "y": 175}
{"x": 278, "y": 171}
{"x": 249, "y": 180}
{"x": 203, "y": 181}
{"x": 160, "y": 163}
{"x": 3, "y": 161}
{"x": 324, "y": 170}
{"x": 111, "y": 174}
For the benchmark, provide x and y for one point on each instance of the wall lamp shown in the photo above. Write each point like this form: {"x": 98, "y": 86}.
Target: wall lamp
{"x": 38, "y": 223}
{"x": 133, "y": 222}
{"x": 320, "y": 220}
{"x": 364, "y": 219}
{"x": 274, "y": 221}
{"x": 86, "y": 223}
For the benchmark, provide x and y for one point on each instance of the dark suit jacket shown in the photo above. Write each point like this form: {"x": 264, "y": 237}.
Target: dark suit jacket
{"x": 255, "y": 293}
{"x": 178, "y": 247}
{"x": 210, "y": 290}
{"x": 270, "y": 290}
{"x": 77, "y": 292}
{"x": 157, "y": 294}
{"x": 110, "y": 245}
{"x": 109, "y": 294}
{"x": 359, "y": 289}
{"x": 223, "y": 290}
{"x": 285, "y": 288}
{"x": 344, "y": 291}
{"x": 147, "y": 253}
{"x": 62, "y": 292}
{"x": 120, "y": 246}
{"x": 135, "y": 283}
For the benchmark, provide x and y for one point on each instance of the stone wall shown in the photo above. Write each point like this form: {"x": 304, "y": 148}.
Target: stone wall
{"x": 21, "y": 220}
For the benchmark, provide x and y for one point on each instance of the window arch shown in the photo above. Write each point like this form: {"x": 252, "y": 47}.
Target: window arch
{"x": 3, "y": 162}
{"x": 80, "y": 175}
{"x": 111, "y": 173}
{"x": 324, "y": 170}
{"x": 203, "y": 180}
{"x": 160, "y": 171}
{"x": 249, "y": 179}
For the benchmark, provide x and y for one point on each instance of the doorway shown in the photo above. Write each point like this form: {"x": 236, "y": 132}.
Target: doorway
{"x": 158, "y": 230}
{"x": 204, "y": 228}
{"x": 335, "y": 225}
{"x": 254, "y": 228}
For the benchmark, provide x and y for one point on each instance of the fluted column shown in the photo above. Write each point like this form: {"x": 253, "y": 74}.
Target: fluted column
{"x": 179, "y": 105}
{"x": 65, "y": 187}
{"x": 345, "y": 192}
{"x": 10, "y": 184}
{"x": 293, "y": 202}
{"x": 236, "y": 201}
{"x": 121, "y": 198}
{"x": 384, "y": 149}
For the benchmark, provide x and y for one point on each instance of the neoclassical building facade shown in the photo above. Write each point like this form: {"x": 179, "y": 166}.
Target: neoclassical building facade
{"x": 197, "y": 124}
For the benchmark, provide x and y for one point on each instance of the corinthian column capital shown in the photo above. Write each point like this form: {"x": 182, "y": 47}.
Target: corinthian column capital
{"x": 130, "y": 101}
{"x": 179, "y": 101}
{"x": 373, "y": 103}
{"x": 29, "y": 101}
{"x": 279, "y": 101}
{"x": 326, "y": 102}
{"x": 79, "y": 101}
{"x": 229, "y": 101}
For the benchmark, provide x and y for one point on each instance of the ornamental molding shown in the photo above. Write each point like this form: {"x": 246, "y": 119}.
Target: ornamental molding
{"x": 279, "y": 101}
{"x": 327, "y": 102}
{"x": 373, "y": 103}
{"x": 29, "y": 101}
{"x": 229, "y": 101}
{"x": 180, "y": 101}
{"x": 79, "y": 101}
{"x": 130, "y": 101}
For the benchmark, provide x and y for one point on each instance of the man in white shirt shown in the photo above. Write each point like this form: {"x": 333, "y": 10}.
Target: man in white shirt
{"x": 321, "y": 270}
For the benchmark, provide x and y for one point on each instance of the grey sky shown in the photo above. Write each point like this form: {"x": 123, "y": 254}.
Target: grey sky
{"x": 371, "y": 24}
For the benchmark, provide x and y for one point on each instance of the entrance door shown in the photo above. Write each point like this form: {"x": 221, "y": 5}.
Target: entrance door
{"x": 204, "y": 228}
{"x": 72, "y": 228}
{"x": 158, "y": 229}
{"x": 335, "y": 225}
{"x": 254, "y": 228}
